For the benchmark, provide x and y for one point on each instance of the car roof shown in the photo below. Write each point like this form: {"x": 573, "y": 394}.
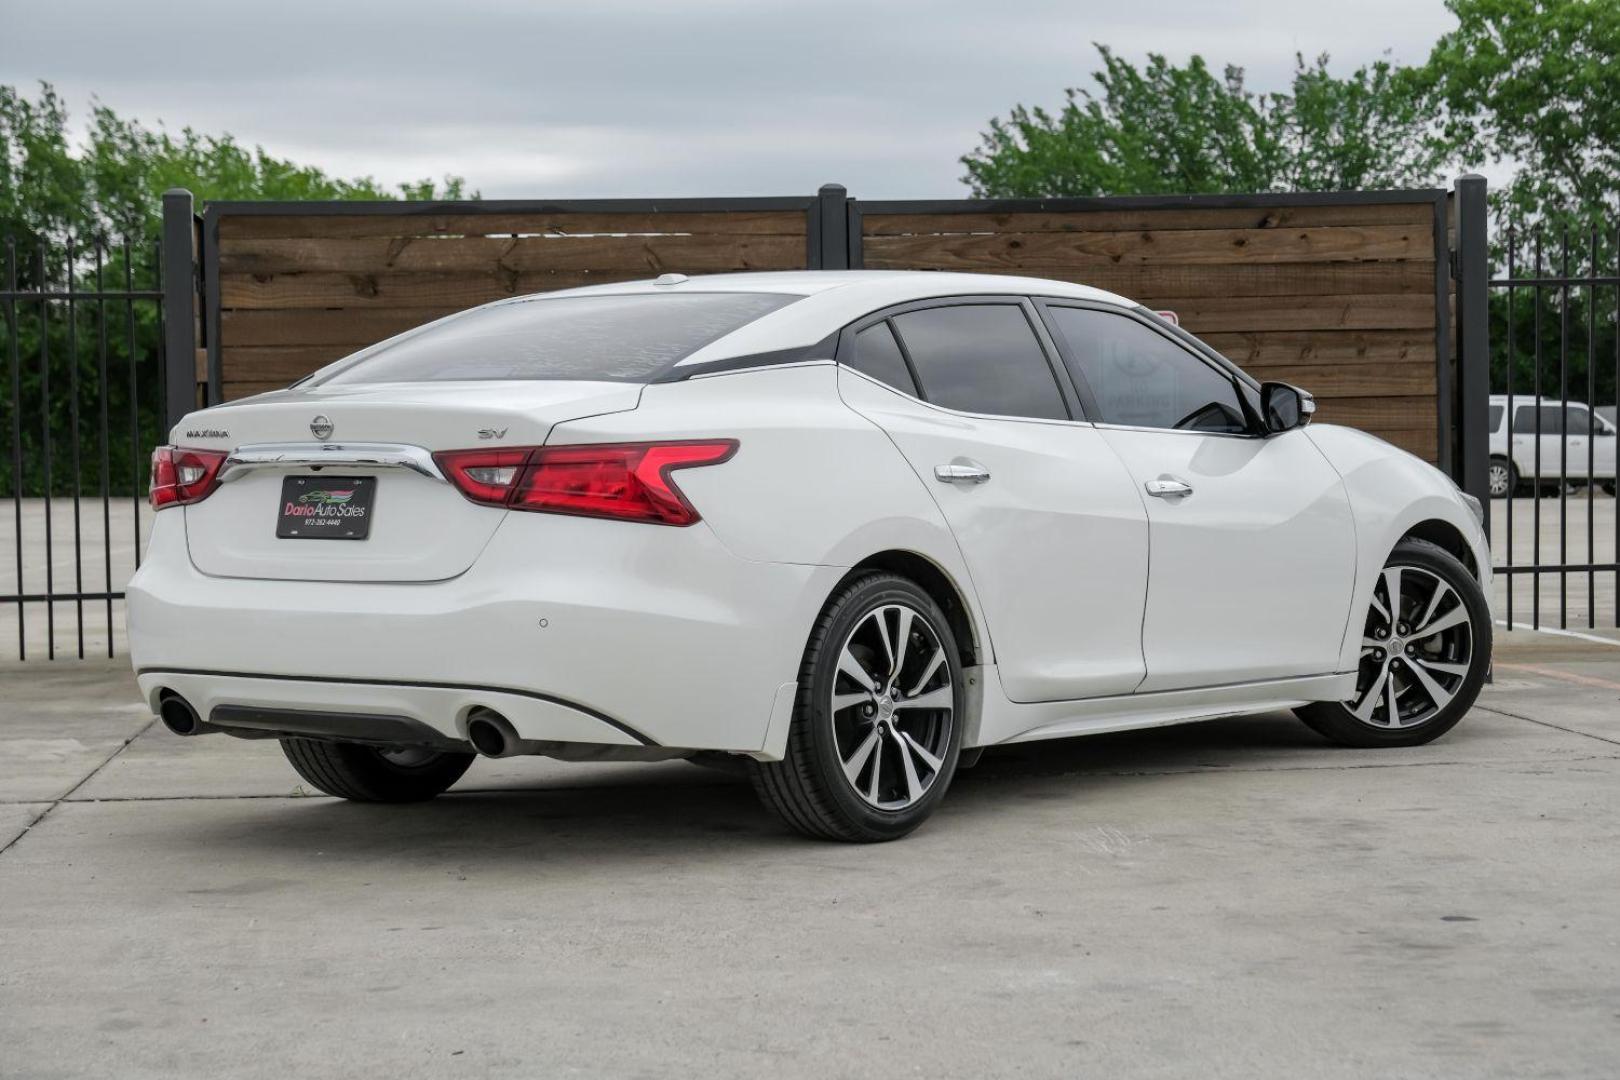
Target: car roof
{"x": 831, "y": 299}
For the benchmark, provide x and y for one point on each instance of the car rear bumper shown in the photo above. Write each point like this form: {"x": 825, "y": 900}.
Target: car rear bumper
{"x": 574, "y": 630}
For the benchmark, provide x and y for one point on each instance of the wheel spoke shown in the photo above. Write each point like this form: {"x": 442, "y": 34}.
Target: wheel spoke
{"x": 1394, "y": 706}
{"x": 1443, "y": 667}
{"x": 852, "y": 667}
{"x": 1455, "y": 617}
{"x": 1441, "y": 591}
{"x": 917, "y": 748}
{"x": 1378, "y": 606}
{"x": 881, "y": 617}
{"x": 914, "y": 788}
{"x": 928, "y": 672}
{"x": 840, "y": 702}
{"x": 857, "y": 761}
{"x": 1369, "y": 700}
{"x": 863, "y": 753}
{"x": 877, "y": 768}
{"x": 902, "y": 638}
{"x": 934, "y": 699}
{"x": 1392, "y": 589}
{"x": 1437, "y": 693}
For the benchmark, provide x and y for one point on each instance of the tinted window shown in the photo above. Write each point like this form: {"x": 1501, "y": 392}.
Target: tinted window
{"x": 876, "y": 354}
{"x": 618, "y": 338}
{"x": 981, "y": 358}
{"x": 1552, "y": 420}
{"x": 1496, "y": 416}
{"x": 1143, "y": 379}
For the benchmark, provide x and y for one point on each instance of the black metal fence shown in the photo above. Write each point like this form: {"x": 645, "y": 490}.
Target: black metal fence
{"x": 81, "y": 406}
{"x": 1555, "y": 363}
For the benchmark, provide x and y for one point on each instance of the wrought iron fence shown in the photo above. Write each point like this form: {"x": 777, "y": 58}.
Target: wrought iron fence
{"x": 1555, "y": 363}
{"x": 81, "y": 406}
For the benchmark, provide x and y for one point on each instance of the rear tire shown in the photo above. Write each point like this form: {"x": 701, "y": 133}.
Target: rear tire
{"x": 1422, "y": 663}
{"x": 371, "y": 774}
{"x": 877, "y": 725}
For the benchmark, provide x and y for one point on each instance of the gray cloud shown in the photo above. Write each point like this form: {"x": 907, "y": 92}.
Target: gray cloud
{"x": 633, "y": 97}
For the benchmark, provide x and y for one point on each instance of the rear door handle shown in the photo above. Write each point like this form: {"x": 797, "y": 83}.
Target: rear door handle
{"x": 1165, "y": 487}
{"x": 961, "y": 473}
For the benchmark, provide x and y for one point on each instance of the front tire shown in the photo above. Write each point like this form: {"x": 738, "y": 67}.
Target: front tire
{"x": 877, "y": 726}
{"x": 1425, "y": 649}
{"x": 1503, "y": 478}
{"x": 373, "y": 774}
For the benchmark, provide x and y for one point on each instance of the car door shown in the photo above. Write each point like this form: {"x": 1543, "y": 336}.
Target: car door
{"x": 1539, "y": 445}
{"x": 1048, "y": 521}
{"x": 1252, "y": 544}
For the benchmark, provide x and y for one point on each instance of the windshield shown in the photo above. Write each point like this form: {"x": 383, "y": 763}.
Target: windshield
{"x": 618, "y": 338}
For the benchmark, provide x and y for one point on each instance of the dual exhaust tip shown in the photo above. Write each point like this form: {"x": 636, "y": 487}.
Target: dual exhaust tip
{"x": 490, "y": 733}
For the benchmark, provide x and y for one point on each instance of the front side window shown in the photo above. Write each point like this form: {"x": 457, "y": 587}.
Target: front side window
{"x": 1143, "y": 379}
{"x": 618, "y": 338}
{"x": 981, "y": 358}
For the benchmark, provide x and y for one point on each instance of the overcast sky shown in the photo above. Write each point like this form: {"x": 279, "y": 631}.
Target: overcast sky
{"x": 635, "y": 97}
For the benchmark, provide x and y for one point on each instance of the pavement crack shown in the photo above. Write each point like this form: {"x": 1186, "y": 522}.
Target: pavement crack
{"x": 1548, "y": 724}
{"x": 68, "y": 794}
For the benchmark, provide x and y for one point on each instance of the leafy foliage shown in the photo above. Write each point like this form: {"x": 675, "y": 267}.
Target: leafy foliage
{"x": 87, "y": 215}
{"x": 1168, "y": 129}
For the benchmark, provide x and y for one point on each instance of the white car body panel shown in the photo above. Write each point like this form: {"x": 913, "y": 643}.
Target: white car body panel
{"x": 1391, "y": 492}
{"x": 1058, "y": 530}
{"x": 1262, "y": 511}
{"x": 614, "y": 634}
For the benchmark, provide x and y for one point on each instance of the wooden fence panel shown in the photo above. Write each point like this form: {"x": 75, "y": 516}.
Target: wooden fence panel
{"x": 1336, "y": 296}
{"x": 294, "y": 288}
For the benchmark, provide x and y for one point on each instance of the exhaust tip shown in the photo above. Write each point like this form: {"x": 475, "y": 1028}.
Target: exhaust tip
{"x": 177, "y": 714}
{"x": 487, "y": 735}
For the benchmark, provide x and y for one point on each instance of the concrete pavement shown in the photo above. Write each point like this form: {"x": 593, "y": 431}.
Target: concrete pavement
{"x": 1229, "y": 899}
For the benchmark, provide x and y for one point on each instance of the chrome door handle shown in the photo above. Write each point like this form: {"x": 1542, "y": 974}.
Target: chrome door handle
{"x": 961, "y": 474}
{"x": 1164, "y": 488}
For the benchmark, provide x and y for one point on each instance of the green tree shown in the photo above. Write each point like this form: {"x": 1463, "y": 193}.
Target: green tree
{"x": 1536, "y": 83}
{"x": 75, "y": 210}
{"x": 1170, "y": 129}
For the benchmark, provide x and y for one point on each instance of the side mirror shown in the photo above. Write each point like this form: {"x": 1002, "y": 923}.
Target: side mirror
{"x": 1285, "y": 407}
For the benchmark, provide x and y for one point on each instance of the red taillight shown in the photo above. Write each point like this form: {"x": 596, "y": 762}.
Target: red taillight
{"x": 181, "y": 476}
{"x": 627, "y": 481}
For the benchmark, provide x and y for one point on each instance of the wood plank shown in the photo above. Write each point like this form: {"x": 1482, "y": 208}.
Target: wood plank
{"x": 651, "y": 255}
{"x": 397, "y": 290}
{"x": 332, "y": 226}
{"x": 1317, "y": 347}
{"x": 1274, "y": 279}
{"x": 277, "y": 363}
{"x": 1280, "y": 217}
{"x": 1255, "y": 313}
{"x": 1206, "y": 246}
{"x": 1352, "y": 380}
{"x": 1380, "y": 413}
{"x": 321, "y": 326}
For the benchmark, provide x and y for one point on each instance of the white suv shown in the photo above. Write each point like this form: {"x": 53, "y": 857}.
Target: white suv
{"x": 1569, "y": 434}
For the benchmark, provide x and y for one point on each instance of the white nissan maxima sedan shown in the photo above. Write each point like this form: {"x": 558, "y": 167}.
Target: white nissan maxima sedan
{"x": 846, "y": 528}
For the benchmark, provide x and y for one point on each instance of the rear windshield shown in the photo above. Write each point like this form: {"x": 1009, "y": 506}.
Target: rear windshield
{"x": 625, "y": 338}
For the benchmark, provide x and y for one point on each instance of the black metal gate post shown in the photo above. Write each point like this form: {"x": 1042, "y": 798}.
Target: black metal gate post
{"x": 1472, "y": 272}
{"x": 179, "y": 306}
{"x": 829, "y": 229}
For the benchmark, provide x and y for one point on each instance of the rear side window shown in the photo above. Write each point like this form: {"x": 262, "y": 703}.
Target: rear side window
{"x": 1496, "y": 416}
{"x": 877, "y": 354}
{"x": 981, "y": 358}
{"x": 1552, "y": 420}
{"x": 625, "y": 338}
